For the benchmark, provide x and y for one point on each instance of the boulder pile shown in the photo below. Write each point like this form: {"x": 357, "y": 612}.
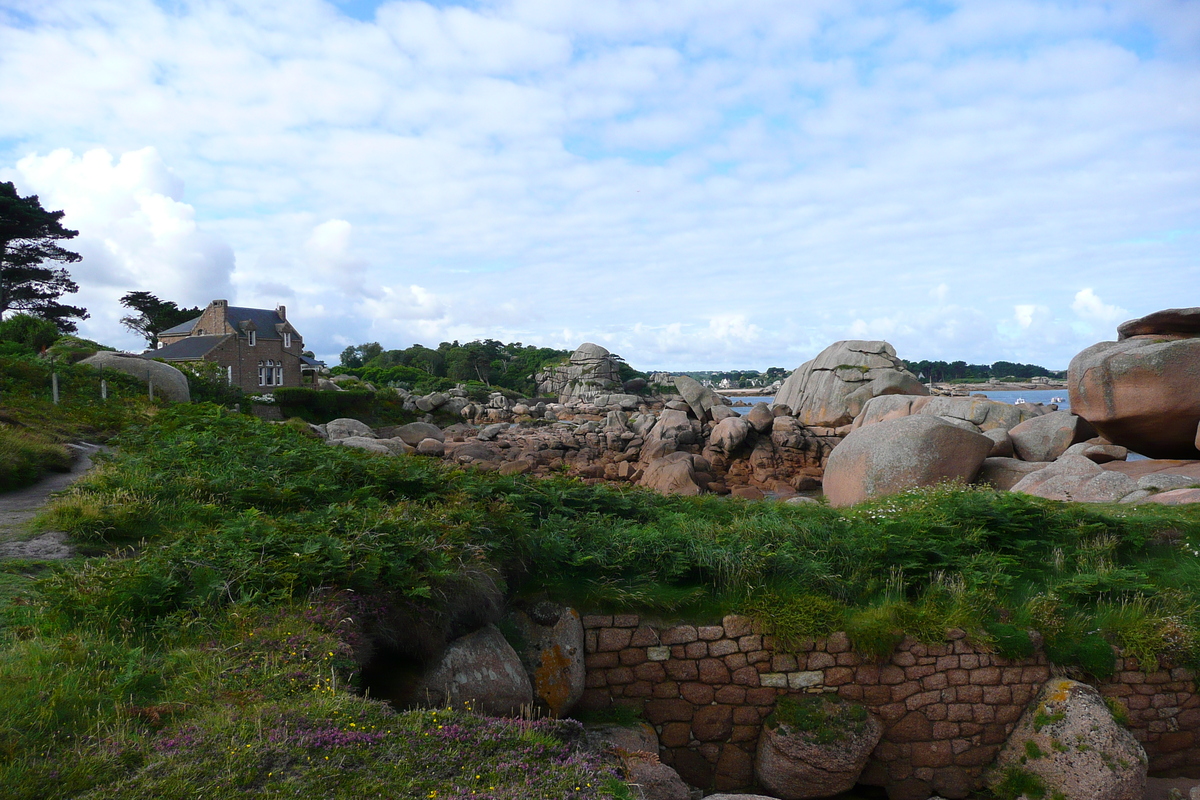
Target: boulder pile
{"x": 852, "y": 421}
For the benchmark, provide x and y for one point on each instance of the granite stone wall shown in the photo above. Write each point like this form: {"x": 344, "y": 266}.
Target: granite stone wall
{"x": 946, "y": 708}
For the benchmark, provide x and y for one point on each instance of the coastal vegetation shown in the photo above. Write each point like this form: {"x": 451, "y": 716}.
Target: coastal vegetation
{"x": 239, "y": 574}
{"x": 241, "y": 567}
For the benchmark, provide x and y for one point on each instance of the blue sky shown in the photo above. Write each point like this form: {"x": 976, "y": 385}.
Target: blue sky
{"x": 691, "y": 184}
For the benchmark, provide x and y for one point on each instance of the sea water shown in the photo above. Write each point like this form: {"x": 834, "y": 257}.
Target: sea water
{"x": 1044, "y": 396}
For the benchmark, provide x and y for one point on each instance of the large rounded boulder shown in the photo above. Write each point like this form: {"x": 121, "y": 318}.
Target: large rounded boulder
{"x": 347, "y": 428}
{"x": 815, "y": 746}
{"x": 1047, "y": 437}
{"x": 889, "y": 457}
{"x": 832, "y": 389}
{"x": 168, "y": 381}
{"x": 480, "y": 668}
{"x": 1069, "y": 742}
{"x": 1140, "y": 391}
{"x": 672, "y": 474}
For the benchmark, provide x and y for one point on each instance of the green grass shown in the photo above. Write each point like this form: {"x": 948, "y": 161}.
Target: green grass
{"x": 247, "y": 567}
{"x": 33, "y": 429}
{"x": 25, "y": 455}
{"x": 824, "y": 719}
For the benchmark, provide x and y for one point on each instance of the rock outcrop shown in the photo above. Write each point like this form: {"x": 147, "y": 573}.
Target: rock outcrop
{"x": 899, "y": 454}
{"x": 701, "y": 398}
{"x": 1140, "y": 391}
{"x": 832, "y": 389}
{"x": 168, "y": 381}
{"x": 482, "y": 668}
{"x": 590, "y": 371}
{"x": 1069, "y": 740}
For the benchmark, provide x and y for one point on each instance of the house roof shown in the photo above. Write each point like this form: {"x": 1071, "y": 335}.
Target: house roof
{"x": 311, "y": 362}
{"x": 264, "y": 320}
{"x": 183, "y": 327}
{"x": 192, "y": 347}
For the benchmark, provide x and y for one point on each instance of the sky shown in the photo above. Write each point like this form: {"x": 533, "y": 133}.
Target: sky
{"x": 693, "y": 184}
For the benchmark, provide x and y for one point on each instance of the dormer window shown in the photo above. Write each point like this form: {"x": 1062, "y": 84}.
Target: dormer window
{"x": 253, "y": 337}
{"x": 287, "y": 340}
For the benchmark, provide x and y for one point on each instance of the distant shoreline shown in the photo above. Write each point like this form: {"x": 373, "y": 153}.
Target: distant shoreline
{"x": 938, "y": 388}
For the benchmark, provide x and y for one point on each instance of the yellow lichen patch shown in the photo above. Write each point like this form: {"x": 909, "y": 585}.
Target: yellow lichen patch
{"x": 552, "y": 679}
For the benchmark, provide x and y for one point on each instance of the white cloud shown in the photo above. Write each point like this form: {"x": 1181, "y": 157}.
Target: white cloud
{"x": 1025, "y": 312}
{"x": 135, "y": 233}
{"x": 1091, "y": 308}
{"x": 328, "y": 249}
{"x": 686, "y": 182}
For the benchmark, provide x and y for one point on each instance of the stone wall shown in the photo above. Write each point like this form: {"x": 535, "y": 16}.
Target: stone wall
{"x": 946, "y": 708}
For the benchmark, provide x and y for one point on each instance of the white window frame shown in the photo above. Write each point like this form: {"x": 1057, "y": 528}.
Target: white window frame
{"x": 279, "y": 374}
{"x": 253, "y": 337}
{"x": 229, "y": 375}
{"x": 262, "y": 375}
{"x": 287, "y": 340}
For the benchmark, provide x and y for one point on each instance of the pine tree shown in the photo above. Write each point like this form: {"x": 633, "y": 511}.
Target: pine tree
{"x": 29, "y": 237}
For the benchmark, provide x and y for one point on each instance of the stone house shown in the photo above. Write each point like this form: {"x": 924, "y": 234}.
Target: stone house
{"x": 258, "y": 349}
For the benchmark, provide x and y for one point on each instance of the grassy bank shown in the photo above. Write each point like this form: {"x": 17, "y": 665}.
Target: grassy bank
{"x": 252, "y": 567}
{"x": 33, "y": 429}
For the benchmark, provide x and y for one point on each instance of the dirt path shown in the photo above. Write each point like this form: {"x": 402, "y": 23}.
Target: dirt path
{"x": 18, "y": 508}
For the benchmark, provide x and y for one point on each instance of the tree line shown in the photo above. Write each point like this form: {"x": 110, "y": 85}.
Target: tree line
{"x": 487, "y": 361}
{"x": 944, "y": 372}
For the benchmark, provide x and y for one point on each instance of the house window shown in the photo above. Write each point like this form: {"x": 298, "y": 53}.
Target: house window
{"x": 270, "y": 373}
{"x": 229, "y": 375}
{"x": 287, "y": 340}
{"x": 253, "y": 338}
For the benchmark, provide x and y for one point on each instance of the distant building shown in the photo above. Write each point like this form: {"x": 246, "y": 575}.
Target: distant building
{"x": 258, "y": 349}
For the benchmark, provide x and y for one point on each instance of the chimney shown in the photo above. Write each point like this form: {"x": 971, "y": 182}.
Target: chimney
{"x": 220, "y": 303}
{"x": 282, "y": 312}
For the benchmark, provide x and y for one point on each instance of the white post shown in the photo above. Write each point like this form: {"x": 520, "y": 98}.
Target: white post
{"x": 103, "y": 389}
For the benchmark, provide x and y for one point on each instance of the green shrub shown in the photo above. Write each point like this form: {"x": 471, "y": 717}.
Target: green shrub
{"x": 208, "y": 383}
{"x": 875, "y": 632}
{"x": 315, "y": 405}
{"x": 1091, "y": 652}
{"x": 826, "y": 719}
{"x": 26, "y": 329}
{"x": 72, "y": 349}
{"x": 1012, "y": 641}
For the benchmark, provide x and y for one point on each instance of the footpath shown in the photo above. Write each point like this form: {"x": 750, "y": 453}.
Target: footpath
{"x": 19, "y": 507}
